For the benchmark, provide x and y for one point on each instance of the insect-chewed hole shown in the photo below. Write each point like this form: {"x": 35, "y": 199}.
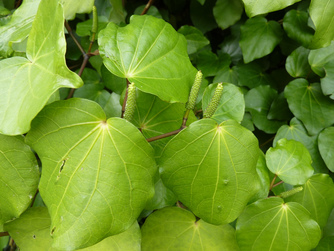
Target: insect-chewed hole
{"x": 61, "y": 167}
{"x": 53, "y": 230}
{"x": 34, "y": 236}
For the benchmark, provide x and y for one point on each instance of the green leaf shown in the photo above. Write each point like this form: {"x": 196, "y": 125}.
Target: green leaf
{"x": 113, "y": 108}
{"x": 318, "y": 58}
{"x": 328, "y": 230}
{"x": 251, "y": 75}
{"x": 227, "y": 75}
{"x": 258, "y": 7}
{"x": 259, "y": 37}
{"x": 295, "y": 26}
{"x": 71, "y": 7}
{"x": 279, "y": 109}
{"x": 258, "y": 102}
{"x": 326, "y": 244}
{"x": 322, "y": 15}
{"x": 211, "y": 169}
{"x": 153, "y": 11}
{"x": 94, "y": 92}
{"x": 92, "y": 168}
{"x": 326, "y": 143}
{"x": 202, "y": 15}
{"x": 231, "y": 104}
{"x": 19, "y": 177}
{"x": 174, "y": 228}
{"x": 150, "y": 53}
{"x": 195, "y": 38}
{"x": 297, "y": 131}
{"x": 85, "y": 28}
{"x": 317, "y": 197}
{"x": 18, "y": 28}
{"x": 271, "y": 224}
{"x": 112, "y": 82}
{"x": 28, "y": 83}
{"x": 290, "y": 161}
{"x": 209, "y": 63}
{"x": 297, "y": 63}
{"x": 327, "y": 86}
{"x": 309, "y": 105}
{"x": 227, "y": 12}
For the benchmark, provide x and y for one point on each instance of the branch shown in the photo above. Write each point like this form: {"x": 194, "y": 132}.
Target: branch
{"x": 165, "y": 135}
{"x": 147, "y": 7}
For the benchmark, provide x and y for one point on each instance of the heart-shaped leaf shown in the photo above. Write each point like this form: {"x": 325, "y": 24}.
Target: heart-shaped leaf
{"x": 308, "y": 104}
{"x": 290, "y": 161}
{"x": 19, "y": 177}
{"x": 326, "y": 143}
{"x": 318, "y": 58}
{"x": 174, "y": 228}
{"x": 91, "y": 167}
{"x": 28, "y": 83}
{"x": 259, "y": 38}
{"x": 273, "y": 225}
{"x": 254, "y": 8}
{"x": 195, "y": 38}
{"x": 150, "y": 53}
{"x": 227, "y": 13}
{"x": 251, "y": 75}
{"x": 327, "y": 86}
{"x": 211, "y": 169}
{"x": 297, "y": 63}
{"x": 317, "y": 197}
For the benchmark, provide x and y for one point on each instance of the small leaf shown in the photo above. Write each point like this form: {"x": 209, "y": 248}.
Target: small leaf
{"x": 227, "y": 12}
{"x": 290, "y": 161}
{"x": 251, "y": 75}
{"x": 174, "y": 228}
{"x": 227, "y": 75}
{"x": 195, "y": 38}
{"x": 254, "y": 8}
{"x": 231, "y": 104}
{"x": 209, "y": 63}
{"x": 259, "y": 38}
{"x": 211, "y": 169}
{"x": 151, "y": 54}
{"x": 273, "y": 225}
{"x": 308, "y": 104}
{"x": 19, "y": 177}
{"x": 93, "y": 167}
{"x": 297, "y": 63}
{"x": 327, "y": 86}
{"x": 326, "y": 144}
{"x": 318, "y": 58}
{"x": 317, "y": 197}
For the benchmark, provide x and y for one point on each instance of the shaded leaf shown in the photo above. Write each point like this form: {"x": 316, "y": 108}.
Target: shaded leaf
{"x": 318, "y": 58}
{"x": 251, "y": 75}
{"x": 279, "y": 109}
{"x": 326, "y": 143}
{"x": 112, "y": 82}
{"x": 209, "y": 63}
{"x": 326, "y": 244}
{"x": 202, "y": 15}
{"x": 297, "y": 63}
{"x": 211, "y": 169}
{"x": 19, "y": 177}
{"x": 28, "y": 83}
{"x": 227, "y": 75}
{"x": 271, "y": 224}
{"x": 174, "y": 228}
{"x": 153, "y": 11}
{"x": 327, "y": 85}
{"x": 91, "y": 167}
{"x": 150, "y": 53}
{"x": 227, "y": 12}
{"x": 307, "y": 103}
{"x": 259, "y": 37}
{"x": 254, "y": 8}
{"x": 195, "y": 38}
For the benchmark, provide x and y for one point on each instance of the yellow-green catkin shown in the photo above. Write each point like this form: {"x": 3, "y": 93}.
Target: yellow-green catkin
{"x": 130, "y": 102}
{"x": 94, "y": 26}
{"x": 210, "y": 110}
{"x": 290, "y": 192}
{"x": 194, "y": 91}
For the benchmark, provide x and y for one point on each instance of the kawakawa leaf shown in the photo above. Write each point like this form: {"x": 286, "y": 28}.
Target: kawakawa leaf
{"x": 325, "y": 144}
{"x": 174, "y": 228}
{"x": 97, "y": 175}
{"x": 211, "y": 169}
{"x": 150, "y": 53}
{"x": 19, "y": 177}
{"x": 26, "y": 84}
{"x": 71, "y": 7}
{"x": 272, "y": 225}
{"x": 258, "y": 7}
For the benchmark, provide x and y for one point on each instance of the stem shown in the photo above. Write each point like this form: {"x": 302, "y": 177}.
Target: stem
{"x": 147, "y": 7}
{"x": 165, "y": 135}
{"x": 278, "y": 183}
{"x": 180, "y": 205}
{"x": 68, "y": 28}
{"x": 33, "y": 200}
{"x": 185, "y": 118}
{"x": 269, "y": 140}
{"x": 4, "y": 234}
{"x": 125, "y": 98}
{"x": 272, "y": 182}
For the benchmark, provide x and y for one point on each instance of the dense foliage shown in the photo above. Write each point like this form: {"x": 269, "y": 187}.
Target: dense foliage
{"x": 173, "y": 125}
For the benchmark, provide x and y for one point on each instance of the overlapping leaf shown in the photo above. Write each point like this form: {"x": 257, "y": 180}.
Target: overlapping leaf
{"x": 318, "y": 58}
{"x": 227, "y": 13}
{"x": 19, "y": 177}
{"x": 327, "y": 86}
{"x": 195, "y": 38}
{"x": 71, "y": 7}
{"x": 174, "y": 228}
{"x": 97, "y": 174}
{"x": 273, "y": 225}
{"x": 27, "y": 83}
{"x": 258, "y": 7}
{"x": 326, "y": 143}
{"x": 297, "y": 63}
{"x": 150, "y": 53}
{"x": 211, "y": 169}
{"x": 251, "y": 75}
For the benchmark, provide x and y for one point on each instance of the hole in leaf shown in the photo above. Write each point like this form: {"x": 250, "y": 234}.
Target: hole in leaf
{"x": 61, "y": 167}
{"x": 34, "y": 236}
{"x": 53, "y": 230}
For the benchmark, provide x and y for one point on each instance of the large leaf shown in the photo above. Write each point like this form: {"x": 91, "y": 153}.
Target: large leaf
{"x": 326, "y": 143}
{"x": 322, "y": 15}
{"x": 211, "y": 169}
{"x": 290, "y": 161}
{"x": 91, "y": 168}
{"x": 317, "y": 197}
{"x": 308, "y": 104}
{"x": 271, "y": 225}
{"x": 27, "y": 83}
{"x": 227, "y": 12}
{"x": 19, "y": 177}
{"x": 150, "y": 53}
{"x": 258, "y": 7}
{"x": 259, "y": 38}
{"x": 174, "y": 228}
{"x": 231, "y": 104}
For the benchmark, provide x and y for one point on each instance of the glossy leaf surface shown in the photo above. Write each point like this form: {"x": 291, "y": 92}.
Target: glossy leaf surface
{"x": 258, "y": 7}
{"x": 28, "y": 83}
{"x": 271, "y": 224}
{"x": 150, "y": 53}
{"x": 297, "y": 63}
{"x": 308, "y": 104}
{"x": 174, "y": 228}
{"x": 19, "y": 177}
{"x": 227, "y": 13}
{"x": 211, "y": 169}
{"x": 318, "y": 58}
{"x": 92, "y": 167}
{"x": 326, "y": 144}
{"x": 316, "y": 197}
